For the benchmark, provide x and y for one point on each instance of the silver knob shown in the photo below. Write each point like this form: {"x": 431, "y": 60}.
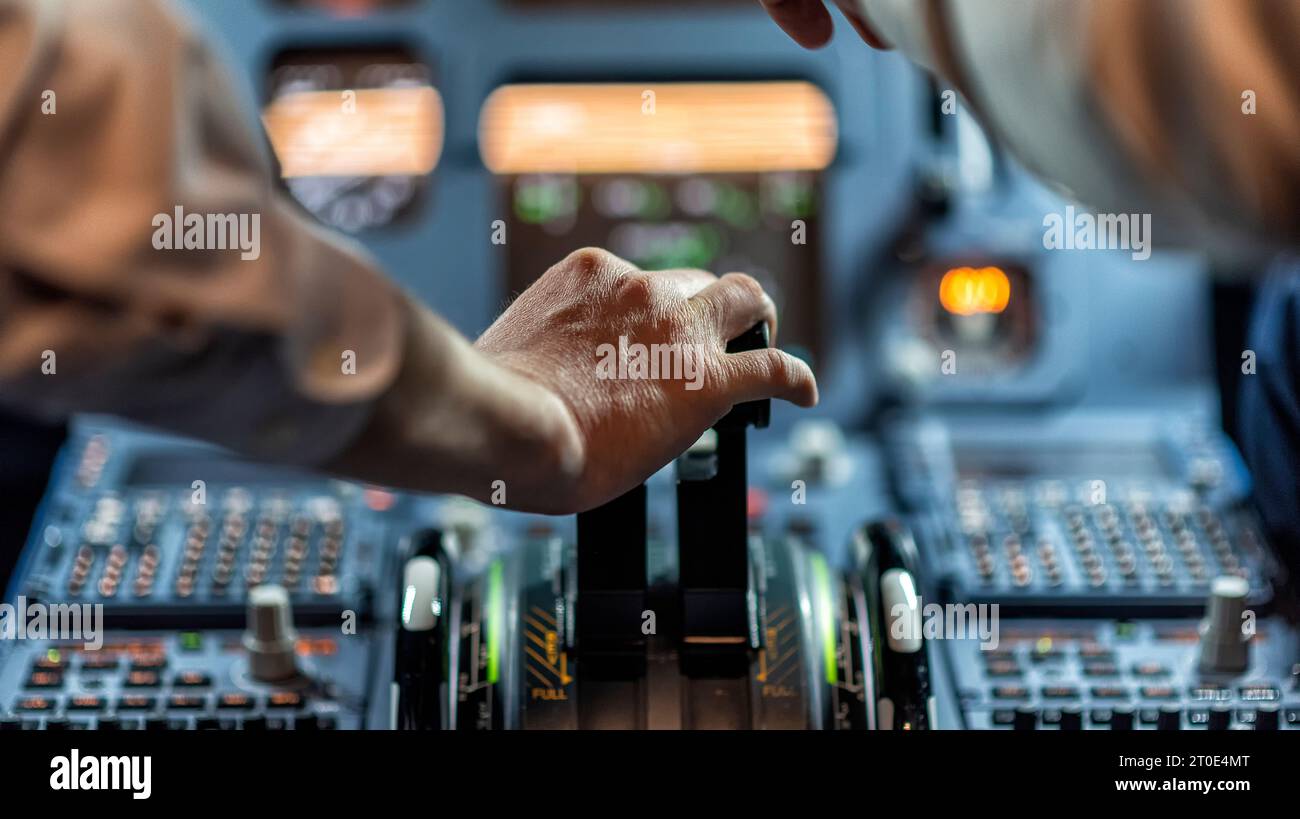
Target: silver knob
{"x": 269, "y": 637}
{"x": 1224, "y": 645}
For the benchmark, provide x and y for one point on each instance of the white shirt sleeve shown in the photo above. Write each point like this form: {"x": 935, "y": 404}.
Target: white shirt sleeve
{"x": 1185, "y": 109}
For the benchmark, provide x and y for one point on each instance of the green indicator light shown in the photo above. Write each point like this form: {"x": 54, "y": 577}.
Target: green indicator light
{"x": 495, "y": 614}
{"x": 53, "y": 655}
{"x": 822, "y": 581}
{"x": 191, "y": 641}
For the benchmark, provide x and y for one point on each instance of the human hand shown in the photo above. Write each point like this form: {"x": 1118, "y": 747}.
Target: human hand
{"x": 563, "y": 334}
{"x": 809, "y": 23}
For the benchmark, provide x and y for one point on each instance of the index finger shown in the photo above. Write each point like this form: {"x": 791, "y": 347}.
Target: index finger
{"x": 806, "y": 21}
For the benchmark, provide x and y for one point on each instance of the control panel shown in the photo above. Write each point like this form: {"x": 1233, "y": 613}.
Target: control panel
{"x": 159, "y": 529}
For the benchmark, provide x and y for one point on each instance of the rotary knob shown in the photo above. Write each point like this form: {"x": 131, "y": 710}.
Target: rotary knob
{"x": 1224, "y": 646}
{"x": 269, "y": 636}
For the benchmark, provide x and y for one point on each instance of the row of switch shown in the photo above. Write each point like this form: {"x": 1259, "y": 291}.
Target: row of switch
{"x": 1199, "y": 693}
{"x": 1164, "y": 718}
{"x": 233, "y": 701}
{"x": 258, "y": 722}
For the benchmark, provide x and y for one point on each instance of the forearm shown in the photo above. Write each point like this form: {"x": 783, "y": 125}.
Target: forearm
{"x": 457, "y": 421}
{"x": 275, "y": 342}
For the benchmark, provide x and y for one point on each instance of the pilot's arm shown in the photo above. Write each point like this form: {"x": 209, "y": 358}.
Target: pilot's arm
{"x": 114, "y": 115}
{"x": 1185, "y": 109}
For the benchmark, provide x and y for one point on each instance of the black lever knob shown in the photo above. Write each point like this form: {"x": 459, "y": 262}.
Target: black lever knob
{"x": 612, "y": 584}
{"x": 719, "y": 620}
{"x": 421, "y": 660}
{"x": 757, "y": 414}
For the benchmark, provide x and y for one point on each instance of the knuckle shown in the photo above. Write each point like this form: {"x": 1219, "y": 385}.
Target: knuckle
{"x": 746, "y": 284}
{"x": 636, "y": 291}
{"x": 590, "y": 261}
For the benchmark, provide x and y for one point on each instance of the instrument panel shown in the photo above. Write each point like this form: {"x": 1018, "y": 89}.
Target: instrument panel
{"x": 976, "y": 448}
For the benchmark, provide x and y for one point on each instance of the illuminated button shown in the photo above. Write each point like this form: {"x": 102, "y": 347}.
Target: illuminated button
{"x": 29, "y": 704}
{"x": 187, "y": 702}
{"x": 1110, "y": 692}
{"x": 235, "y": 701}
{"x": 52, "y": 660}
{"x": 1159, "y": 692}
{"x": 191, "y": 679}
{"x": 1150, "y": 670}
{"x": 135, "y": 702}
{"x": 1198, "y": 716}
{"x": 1095, "y": 669}
{"x": 85, "y": 703}
{"x": 191, "y": 641}
{"x": 142, "y": 679}
{"x": 1100, "y": 716}
{"x": 1259, "y": 693}
{"x": 45, "y": 679}
{"x": 107, "y": 662}
{"x": 1210, "y": 692}
{"x": 1003, "y": 668}
{"x": 154, "y": 662}
{"x": 1060, "y": 692}
{"x": 284, "y": 699}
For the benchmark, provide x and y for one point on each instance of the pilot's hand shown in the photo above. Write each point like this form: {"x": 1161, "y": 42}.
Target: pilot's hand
{"x": 563, "y": 335}
{"x": 540, "y": 415}
{"x": 809, "y": 22}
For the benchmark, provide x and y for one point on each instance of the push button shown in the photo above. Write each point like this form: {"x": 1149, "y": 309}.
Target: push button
{"x": 1060, "y": 692}
{"x": 152, "y": 662}
{"x": 135, "y": 702}
{"x": 1158, "y": 692}
{"x": 187, "y": 702}
{"x": 98, "y": 664}
{"x": 284, "y": 699}
{"x": 85, "y": 703}
{"x": 142, "y": 679}
{"x": 235, "y": 702}
{"x": 45, "y": 679}
{"x": 191, "y": 679}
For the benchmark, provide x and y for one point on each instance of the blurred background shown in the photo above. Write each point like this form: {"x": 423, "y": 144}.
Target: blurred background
{"x": 1000, "y": 396}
